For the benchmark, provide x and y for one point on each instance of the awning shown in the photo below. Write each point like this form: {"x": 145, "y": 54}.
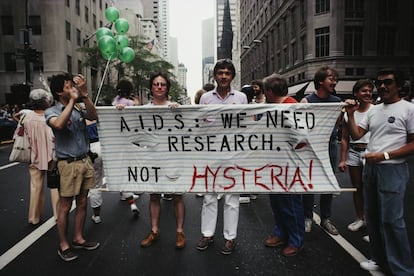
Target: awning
{"x": 342, "y": 87}
{"x": 292, "y": 90}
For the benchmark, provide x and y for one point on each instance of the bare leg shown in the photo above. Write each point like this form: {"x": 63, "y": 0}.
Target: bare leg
{"x": 80, "y": 215}
{"x": 155, "y": 211}
{"x": 356, "y": 178}
{"x": 179, "y": 209}
{"x": 64, "y": 205}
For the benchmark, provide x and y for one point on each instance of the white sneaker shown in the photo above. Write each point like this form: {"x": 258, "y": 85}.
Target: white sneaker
{"x": 308, "y": 225}
{"x": 96, "y": 219}
{"x": 134, "y": 209}
{"x": 244, "y": 199}
{"x": 126, "y": 196}
{"x": 365, "y": 238}
{"x": 370, "y": 265}
{"x": 253, "y": 196}
{"x": 356, "y": 225}
{"x": 219, "y": 196}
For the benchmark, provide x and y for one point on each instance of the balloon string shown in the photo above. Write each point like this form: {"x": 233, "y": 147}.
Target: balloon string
{"x": 103, "y": 78}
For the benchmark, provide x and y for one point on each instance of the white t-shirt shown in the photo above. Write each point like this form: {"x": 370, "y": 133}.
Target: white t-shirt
{"x": 389, "y": 125}
{"x": 358, "y": 117}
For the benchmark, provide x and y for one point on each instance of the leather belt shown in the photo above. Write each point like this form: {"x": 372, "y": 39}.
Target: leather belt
{"x": 357, "y": 148}
{"x": 73, "y": 159}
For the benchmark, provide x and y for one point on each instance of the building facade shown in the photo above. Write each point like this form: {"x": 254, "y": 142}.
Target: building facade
{"x": 295, "y": 37}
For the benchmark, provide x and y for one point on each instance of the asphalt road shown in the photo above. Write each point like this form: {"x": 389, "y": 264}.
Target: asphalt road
{"x": 29, "y": 250}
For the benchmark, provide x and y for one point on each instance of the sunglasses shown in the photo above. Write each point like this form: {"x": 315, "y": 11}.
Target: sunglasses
{"x": 159, "y": 84}
{"x": 387, "y": 82}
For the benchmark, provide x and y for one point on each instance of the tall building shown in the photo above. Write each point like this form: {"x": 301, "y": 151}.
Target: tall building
{"x": 207, "y": 49}
{"x": 295, "y": 37}
{"x": 51, "y": 32}
{"x": 227, "y": 30}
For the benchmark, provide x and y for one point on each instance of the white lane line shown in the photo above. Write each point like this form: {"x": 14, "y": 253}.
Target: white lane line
{"x": 349, "y": 248}
{"x": 27, "y": 241}
{"x": 9, "y": 165}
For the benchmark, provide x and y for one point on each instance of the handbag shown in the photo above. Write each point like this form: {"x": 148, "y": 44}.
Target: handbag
{"x": 53, "y": 178}
{"x": 21, "y": 146}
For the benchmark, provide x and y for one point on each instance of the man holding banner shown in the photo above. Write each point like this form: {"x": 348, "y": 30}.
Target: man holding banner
{"x": 224, "y": 73}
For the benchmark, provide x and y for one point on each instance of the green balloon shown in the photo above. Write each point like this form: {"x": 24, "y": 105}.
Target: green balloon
{"x": 103, "y": 31}
{"x": 112, "y": 14}
{"x": 107, "y": 44}
{"x": 109, "y": 56}
{"x": 122, "y": 41}
{"x": 127, "y": 54}
{"x": 121, "y": 26}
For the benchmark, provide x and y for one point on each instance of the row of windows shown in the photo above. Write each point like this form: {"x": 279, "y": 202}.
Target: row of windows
{"x": 7, "y": 26}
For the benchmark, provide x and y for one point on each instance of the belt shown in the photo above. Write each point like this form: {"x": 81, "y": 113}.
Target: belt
{"x": 357, "y": 148}
{"x": 73, "y": 159}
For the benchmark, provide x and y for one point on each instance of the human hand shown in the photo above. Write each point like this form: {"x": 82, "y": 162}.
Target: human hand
{"x": 80, "y": 83}
{"x": 173, "y": 105}
{"x": 374, "y": 157}
{"x": 342, "y": 166}
{"x": 120, "y": 106}
{"x": 351, "y": 105}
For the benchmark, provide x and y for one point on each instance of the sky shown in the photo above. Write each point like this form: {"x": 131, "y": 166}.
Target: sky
{"x": 185, "y": 24}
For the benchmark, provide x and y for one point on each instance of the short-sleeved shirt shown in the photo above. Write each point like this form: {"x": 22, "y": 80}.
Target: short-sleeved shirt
{"x": 72, "y": 140}
{"x": 389, "y": 125}
{"x": 233, "y": 97}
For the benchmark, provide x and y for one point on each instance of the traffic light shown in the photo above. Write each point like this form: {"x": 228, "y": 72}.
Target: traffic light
{"x": 34, "y": 55}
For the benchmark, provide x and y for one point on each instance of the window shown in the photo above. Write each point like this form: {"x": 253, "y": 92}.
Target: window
{"x": 286, "y": 57}
{"x": 67, "y": 30}
{"x": 285, "y": 30}
{"x": 354, "y": 8}
{"x": 79, "y": 66}
{"x": 386, "y": 41}
{"x": 387, "y": 9}
{"x": 360, "y": 71}
{"x": 86, "y": 14}
{"x": 7, "y": 25}
{"x": 294, "y": 53}
{"x": 10, "y": 62}
{"x": 322, "y": 42}
{"x": 349, "y": 71}
{"x": 78, "y": 37}
{"x": 77, "y": 7}
{"x": 69, "y": 63}
{"x": 67, "y": 3}
{"x": 353, "y": 41}
{"x": 100, "y": 4}
{"x": 94, "y": 20}
{"x": 293, "y": 23}
{"x": 321, "y": 6}
{"x": 35, "y": 24}
{"x": 303, "y": 47}
{"x": 302, "y": 12}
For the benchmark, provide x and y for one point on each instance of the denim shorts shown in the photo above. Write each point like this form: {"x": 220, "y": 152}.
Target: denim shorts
{"x": 355, "y": 158}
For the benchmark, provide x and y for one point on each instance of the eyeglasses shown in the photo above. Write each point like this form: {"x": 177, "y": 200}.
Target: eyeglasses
{"x": 162, "y": 84}
{"x": 387, "y": 82}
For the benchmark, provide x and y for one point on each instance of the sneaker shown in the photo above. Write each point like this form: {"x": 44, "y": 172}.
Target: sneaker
{"x": 125, "y": 196}
{"x": 365, "y": 238}
{"x": 274, "y": 241}
{"x": 228, "y": 247}
{"x": 204, "y": 243}
{"x": 199, "y": 195}
{"x": 219, "y": 196}
{"x": 329, "y": 227}
{"x": 167, "y": 197}
{"x": 244, "y": 199}
{"x": 150, "y": 239}
{"x": 308, "y": 225}
{"x": 67, "y": 255}
{"x": 86, "y": 245}
{"x": 179, "y": 240}
{"x": 134, "y": 209}
{"x": 356, "y": 225}
{"x": 369, "y": 265}
{"x": 96, "y": 219}
{"x": 253, "y": 197}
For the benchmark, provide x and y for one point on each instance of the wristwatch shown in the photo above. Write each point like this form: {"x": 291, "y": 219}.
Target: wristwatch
{"x": 386, "y": 156}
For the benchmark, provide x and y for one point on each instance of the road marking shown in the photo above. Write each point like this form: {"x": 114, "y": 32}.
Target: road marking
{"x": 27, "y": 241}
{"x": 9, "y": 165}
{"x": 355, "y": 253}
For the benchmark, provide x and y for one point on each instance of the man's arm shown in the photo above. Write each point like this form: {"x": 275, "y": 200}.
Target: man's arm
{"x": 355, "y": 131}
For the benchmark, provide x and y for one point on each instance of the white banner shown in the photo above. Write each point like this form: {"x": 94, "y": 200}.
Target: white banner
{"x": 219, "y": 148}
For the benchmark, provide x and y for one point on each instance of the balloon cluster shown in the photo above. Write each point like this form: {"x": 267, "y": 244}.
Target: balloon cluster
{"x": 113, "y": 46}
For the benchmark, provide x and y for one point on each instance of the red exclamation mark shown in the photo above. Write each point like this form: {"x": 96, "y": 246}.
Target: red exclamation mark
{"x": 310, "y": 175}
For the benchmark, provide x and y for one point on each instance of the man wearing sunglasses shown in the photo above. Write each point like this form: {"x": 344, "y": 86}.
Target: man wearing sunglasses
{"x": 386, "y": 173}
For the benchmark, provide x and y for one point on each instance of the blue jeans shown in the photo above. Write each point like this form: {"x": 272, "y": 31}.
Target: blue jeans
{"x": 289, "y": 221}
{"x": 384, "y": 189}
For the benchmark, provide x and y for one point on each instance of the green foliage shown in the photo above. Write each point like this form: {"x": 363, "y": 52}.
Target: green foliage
{"x": 138, "y": 70}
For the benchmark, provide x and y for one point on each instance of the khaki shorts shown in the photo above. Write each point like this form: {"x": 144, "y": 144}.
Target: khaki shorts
{"x": 75, "y": 176}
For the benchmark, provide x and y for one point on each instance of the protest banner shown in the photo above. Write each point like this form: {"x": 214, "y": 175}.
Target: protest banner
{"x": 219, "y": 148}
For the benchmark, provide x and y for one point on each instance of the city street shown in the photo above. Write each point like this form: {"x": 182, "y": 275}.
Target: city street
{"x": 32, "y": 250}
